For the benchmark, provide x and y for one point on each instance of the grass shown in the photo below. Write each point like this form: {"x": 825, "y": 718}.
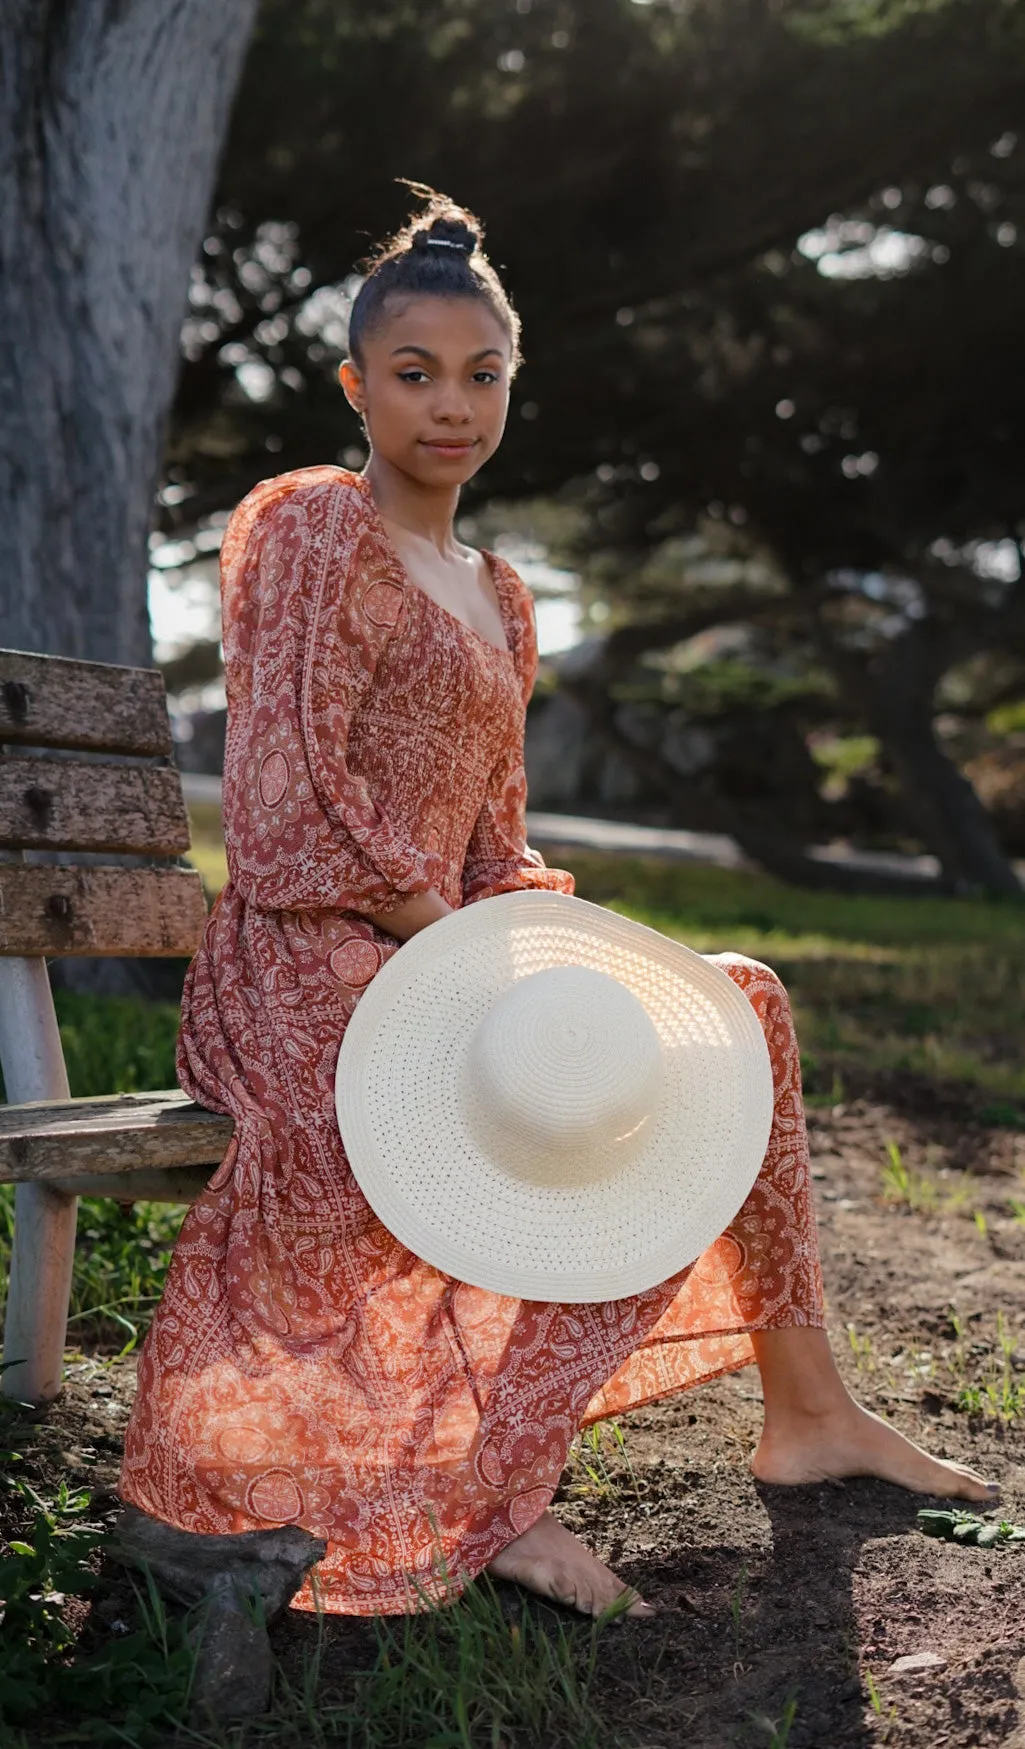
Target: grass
{"x": 598, "y": 1463}
{"x": 457, "y": 1677}
{"x": 931, "y": 986}
{"x": 982, "y": 1374}
{"x": 919, "y": 1192}
{"x": 778, "y": 1730}
{"x": 989, "y": 1377}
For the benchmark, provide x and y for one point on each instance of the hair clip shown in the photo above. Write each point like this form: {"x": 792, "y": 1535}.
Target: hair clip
{"x": 445, "y": 243}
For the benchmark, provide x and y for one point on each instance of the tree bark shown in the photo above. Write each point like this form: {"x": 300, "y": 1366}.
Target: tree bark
{"x": 897, "y": 700}
{"x": 894, "y": 693}
{"x": 114, "y": 112}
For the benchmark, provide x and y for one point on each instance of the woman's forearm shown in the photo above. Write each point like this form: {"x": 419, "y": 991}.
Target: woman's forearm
{"x": 412, "y": 915}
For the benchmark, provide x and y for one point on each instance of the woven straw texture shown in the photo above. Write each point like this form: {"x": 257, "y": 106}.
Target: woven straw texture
{"x": 458, "y": 1092}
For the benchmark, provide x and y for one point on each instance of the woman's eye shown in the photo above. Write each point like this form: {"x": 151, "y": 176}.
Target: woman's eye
{"x": 485, "y": 376}
{"x": 413, "y": 375}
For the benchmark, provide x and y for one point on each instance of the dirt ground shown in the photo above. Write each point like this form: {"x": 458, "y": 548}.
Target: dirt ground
{"x": 772, "y": 1595}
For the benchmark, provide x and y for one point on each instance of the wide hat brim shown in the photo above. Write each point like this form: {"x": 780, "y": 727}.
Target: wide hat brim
{"x": 425, "y": 1174}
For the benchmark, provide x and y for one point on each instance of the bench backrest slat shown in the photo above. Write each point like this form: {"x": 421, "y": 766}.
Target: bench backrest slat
{"x": 48, "y": 701}
{"x": 71, "y": 804}
{"x": 54, "y": 911}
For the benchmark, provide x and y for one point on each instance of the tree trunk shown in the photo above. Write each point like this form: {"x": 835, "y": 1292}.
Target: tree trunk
{"x": 896, "y": 696}
{"x": 114, "y": 112}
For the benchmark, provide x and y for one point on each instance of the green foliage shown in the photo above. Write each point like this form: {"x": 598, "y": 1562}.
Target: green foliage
{"x": 968, "y": 1528}
{"x": 1007, "y": 719}
{"x": 778, "y": 1730}
{"x": 116, "y": 1045}
{"x": 830, "y": 373}
{"x": 121, "y": 1258}
{"x": 917, "y": 1191}
{"x": 846, "y": 756}
{"x": 723, "y": 688}
{"x": 128, "y": 1690}
{"x": 844, "y": 21}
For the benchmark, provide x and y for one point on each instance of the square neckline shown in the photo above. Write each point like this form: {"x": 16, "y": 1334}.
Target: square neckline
{"x": 492, "y": 561}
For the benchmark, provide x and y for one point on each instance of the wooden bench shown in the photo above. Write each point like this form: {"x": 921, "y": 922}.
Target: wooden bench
{"x": 86, "y": 767}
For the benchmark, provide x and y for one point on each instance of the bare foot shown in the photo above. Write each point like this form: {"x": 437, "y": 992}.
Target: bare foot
{"x": 550, "y": 1560}
{"x": 851, "y": 1441}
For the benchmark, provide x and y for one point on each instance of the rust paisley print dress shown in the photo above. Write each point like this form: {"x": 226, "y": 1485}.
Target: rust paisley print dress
{"x": 303, "y": 1367}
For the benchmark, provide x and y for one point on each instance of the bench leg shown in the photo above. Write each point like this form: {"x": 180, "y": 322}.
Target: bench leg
{"x": 37, "y": 1298}
{"x": 44, "y": 1219}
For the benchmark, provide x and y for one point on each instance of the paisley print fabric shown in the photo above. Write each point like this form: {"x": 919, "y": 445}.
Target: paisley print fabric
{"x": 303, "y": 1367}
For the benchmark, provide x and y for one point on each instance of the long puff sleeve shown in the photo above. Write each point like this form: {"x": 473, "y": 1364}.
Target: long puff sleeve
{"x": 308, "y": 606}
{"x": 498, "y": 857}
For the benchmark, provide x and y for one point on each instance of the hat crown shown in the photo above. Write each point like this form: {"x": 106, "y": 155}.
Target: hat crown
{"x": 563, "y": 1072}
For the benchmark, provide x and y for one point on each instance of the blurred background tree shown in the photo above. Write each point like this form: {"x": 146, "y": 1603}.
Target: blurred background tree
{"x": 769, "y": 262}
{"x": 769, "y": 259}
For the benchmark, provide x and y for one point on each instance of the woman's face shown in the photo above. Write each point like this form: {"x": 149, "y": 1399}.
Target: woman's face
{"x": 434, "y": 386}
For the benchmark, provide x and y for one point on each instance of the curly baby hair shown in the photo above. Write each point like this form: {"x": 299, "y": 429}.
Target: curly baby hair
{"x": 438, "y": 254}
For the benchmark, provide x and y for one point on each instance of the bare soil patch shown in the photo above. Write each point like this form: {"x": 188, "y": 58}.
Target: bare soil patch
{"x": 774, "y": 1601}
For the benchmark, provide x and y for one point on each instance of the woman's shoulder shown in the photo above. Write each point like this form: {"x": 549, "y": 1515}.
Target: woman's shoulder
{"x": 518, "y": 591}
{"x": 291, "y": 513}
{"x": 298, "y": 489}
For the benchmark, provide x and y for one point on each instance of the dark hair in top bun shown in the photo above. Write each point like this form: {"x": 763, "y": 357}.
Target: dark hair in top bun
{"x": 438, "y": 253}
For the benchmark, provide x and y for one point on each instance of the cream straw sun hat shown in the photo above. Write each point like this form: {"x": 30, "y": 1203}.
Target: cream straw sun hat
{"x": 543, "y": 1098}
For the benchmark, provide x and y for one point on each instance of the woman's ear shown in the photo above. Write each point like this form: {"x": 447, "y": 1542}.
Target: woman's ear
{"x": 351, "y": 378}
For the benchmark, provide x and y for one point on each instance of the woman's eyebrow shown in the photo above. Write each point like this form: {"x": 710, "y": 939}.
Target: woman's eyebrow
{"x": 423, "y": 352}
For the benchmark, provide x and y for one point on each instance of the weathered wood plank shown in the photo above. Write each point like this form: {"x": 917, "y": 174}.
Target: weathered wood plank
{"x": 151, "y": 912}
{"x": 59, "y": 1141}
{"x": 73, "y": 804}
{"x": 47, "y": 701}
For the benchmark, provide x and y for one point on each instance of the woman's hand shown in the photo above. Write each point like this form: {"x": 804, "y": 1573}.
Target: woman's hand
{"x": 412, "y": 915}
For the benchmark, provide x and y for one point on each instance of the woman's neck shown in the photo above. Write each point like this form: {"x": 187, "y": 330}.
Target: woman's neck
{"x": 427, "y": 511}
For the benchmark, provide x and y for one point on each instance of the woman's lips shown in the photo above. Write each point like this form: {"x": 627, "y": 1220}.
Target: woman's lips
{"x": 440, "y": 447}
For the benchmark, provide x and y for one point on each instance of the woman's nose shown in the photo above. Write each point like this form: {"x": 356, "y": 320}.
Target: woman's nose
{"x": 453, "y": 407}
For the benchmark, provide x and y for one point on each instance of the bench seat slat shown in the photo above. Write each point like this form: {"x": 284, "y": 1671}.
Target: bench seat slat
{"x": 60, "y": 1141}
{"x": 176, "y": 1184}
{"x": 71, "y": 804}
{"x": 48, "y": 701}
{"x": 151, "y": 912}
